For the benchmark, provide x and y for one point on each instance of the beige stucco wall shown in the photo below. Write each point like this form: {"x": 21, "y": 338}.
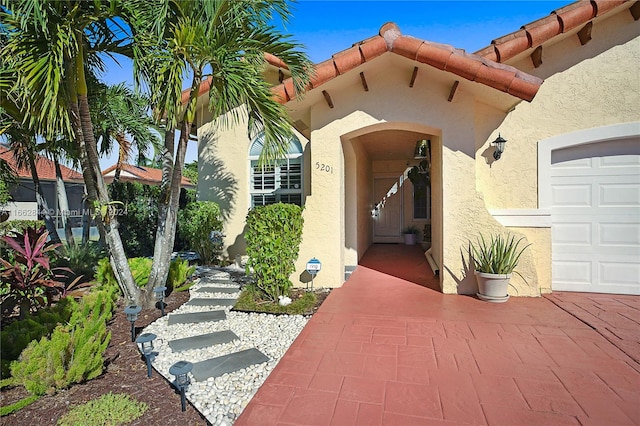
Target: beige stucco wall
{"x": 597, "y": 91}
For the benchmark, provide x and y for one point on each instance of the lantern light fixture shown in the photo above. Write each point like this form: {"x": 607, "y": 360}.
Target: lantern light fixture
{"x": 159, "y": 295}
{"x": 145, "y": 341}
{"x": 132, "y": 312}
{"x": 499, "y": 144}
{"x": 181, "y": 370}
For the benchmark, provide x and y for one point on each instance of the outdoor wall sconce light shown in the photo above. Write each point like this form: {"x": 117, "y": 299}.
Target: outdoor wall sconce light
{"x": 158, "y": 292}
{"x": 181, "y": 370}
{"x": 145, "y": 341}
{"x": 421, "y": 149}
{"x": 132, "y": 315}
{"x": 499, "y": 144}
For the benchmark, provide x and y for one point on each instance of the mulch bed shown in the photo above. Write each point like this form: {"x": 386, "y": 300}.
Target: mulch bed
{"x": 126, "y": 372}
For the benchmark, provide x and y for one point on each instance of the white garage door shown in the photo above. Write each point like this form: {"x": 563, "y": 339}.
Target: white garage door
{"x": 596, "y": 217}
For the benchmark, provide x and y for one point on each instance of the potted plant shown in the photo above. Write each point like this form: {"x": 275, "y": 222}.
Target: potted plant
{"x": 495, "y": 261}
{"x": 410, "y": 235}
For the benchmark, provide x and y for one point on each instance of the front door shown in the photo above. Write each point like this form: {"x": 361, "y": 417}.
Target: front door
{"x": 387, "y": 221}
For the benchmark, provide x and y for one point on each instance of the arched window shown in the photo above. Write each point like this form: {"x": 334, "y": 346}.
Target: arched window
{"x": 279, "y": 182}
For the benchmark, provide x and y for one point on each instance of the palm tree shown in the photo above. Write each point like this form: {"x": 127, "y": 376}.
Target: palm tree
{"x": 53, "y": 43}
{"x": 224, "y": 41}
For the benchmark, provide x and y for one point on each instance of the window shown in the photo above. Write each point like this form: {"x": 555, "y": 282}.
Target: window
{"x": 279, "y": 182}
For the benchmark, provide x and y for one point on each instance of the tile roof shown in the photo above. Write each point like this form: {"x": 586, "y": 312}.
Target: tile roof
{"x": 442, "y": 56}
{"x": 45, "y": 168}
{"x": 485, "y": 66}
{"x": 537, "y": 32}
{"x": 144, "y": 175}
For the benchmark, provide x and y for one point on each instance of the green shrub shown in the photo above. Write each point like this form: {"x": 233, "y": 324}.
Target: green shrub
{"x": 273, "y": 237}
{"x": 73, "y": 352}
{"x": 15, "y": 337}
{"x": 196, "y": 223}
{"x": 109, "y": 409}
{"x": 81, "y": 259}
{"x": 179, "y": 272}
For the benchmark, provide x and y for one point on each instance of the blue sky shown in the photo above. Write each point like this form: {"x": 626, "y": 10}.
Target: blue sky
{"x": 329, "y": 26}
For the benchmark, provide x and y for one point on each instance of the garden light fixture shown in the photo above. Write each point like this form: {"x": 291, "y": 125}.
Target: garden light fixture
{"x": 145, "y": 341}
{"x": 181, "y": 370}
{"x": 132, "y": 312}
{"x": 159, "y": 294}
{"x": 499, "y": 143}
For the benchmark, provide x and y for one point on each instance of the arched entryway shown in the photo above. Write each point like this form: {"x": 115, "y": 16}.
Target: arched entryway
{"x": 381, "y": 202}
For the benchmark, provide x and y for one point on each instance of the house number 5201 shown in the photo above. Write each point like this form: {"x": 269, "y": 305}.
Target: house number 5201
{"x": 324, "y": 167}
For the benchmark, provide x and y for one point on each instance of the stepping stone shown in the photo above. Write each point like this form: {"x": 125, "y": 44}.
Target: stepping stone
{"x": 216, "y": 367}
{"x": 211, "y": 302}
{"x": 196, "y": 317}
{"x": 203, "y": 340}
{"x": 227, "y": 290}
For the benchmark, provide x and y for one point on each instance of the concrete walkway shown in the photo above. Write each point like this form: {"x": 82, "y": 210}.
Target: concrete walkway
{"x": 387, "y": 349}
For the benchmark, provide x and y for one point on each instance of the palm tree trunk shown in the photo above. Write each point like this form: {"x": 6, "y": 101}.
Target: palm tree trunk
{"x": 97, "y": 191}
{"x": 168, "y": 208}
{"x": 63, "y": 203}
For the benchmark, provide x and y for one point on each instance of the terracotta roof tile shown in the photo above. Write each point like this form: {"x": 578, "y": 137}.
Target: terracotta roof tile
{"x": 574, "y": 15}
{"x": 144, "y": 175}
{"x": 45, "y": 168}
{"x": 537, "y": 32}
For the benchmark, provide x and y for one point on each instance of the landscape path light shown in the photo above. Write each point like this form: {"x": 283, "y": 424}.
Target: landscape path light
{"x": 181, "y": 370}
{"x": 145, "y": 341}
{"x": 132, "y": 312}
{"x": 159, "y": 294}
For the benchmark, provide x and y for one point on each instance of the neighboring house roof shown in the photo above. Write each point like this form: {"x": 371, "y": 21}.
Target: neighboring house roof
{"x": 45, "y": 168}
{"x": 144, "y": 175}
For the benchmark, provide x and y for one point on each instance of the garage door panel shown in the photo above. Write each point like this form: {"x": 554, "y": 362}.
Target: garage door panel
{"x": 596, "y": 217}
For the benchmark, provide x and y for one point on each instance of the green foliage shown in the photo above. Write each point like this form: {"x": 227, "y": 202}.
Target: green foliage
{"x": 273, "y": 237}
{"x": 251, "y": 299}
{"x": 140, "y": 269}
{"x": 73, "y": 352}
{"x": 15, "y": 337}
{"x": 4, "y": 193}
{"x": 190, "y": 171}
{"x": 499, "y": 255}
{"x": 196, "y": 224}
{"x": 82, "y": 259}
{"x": 109, "y": 409}
{"x": 17, "y": 406}
{"x": 140, "y": 219}
{"x": 19, "y": 226}
{"x": 179, "y": 272}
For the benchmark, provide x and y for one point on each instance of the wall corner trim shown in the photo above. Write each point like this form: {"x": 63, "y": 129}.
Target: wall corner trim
{"x": 523, "y": 218}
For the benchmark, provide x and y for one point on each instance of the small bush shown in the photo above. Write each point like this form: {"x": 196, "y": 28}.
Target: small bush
{"x": 81, "y": 259}
{"x": 109, "y": 409}
{"x": 196, "y": 223}
{"x": 140, "y": 269}
{"x": 73, "y": 352}
{"x": 273, "y": 237}
{"x": 15, "y": 337}
{"x": 179, "y": 272}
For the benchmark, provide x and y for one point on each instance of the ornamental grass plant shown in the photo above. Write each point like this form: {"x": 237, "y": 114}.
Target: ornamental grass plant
{"x": 498, "y": 254}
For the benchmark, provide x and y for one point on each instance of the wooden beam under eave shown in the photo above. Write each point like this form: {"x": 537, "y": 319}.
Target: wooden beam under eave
{"x": 413, "y": 76}
{"x": 585, "y": 33}
{"x": 635, "y": 10}
{"x": 327, "y": 98}
{"x": 536, "y": 57}
{"x": 452, "y": 92}
{"x": 364, "y": 82}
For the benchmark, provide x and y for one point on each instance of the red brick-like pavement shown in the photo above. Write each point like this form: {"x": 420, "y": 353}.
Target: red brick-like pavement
{"x": 386, "y": 348}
